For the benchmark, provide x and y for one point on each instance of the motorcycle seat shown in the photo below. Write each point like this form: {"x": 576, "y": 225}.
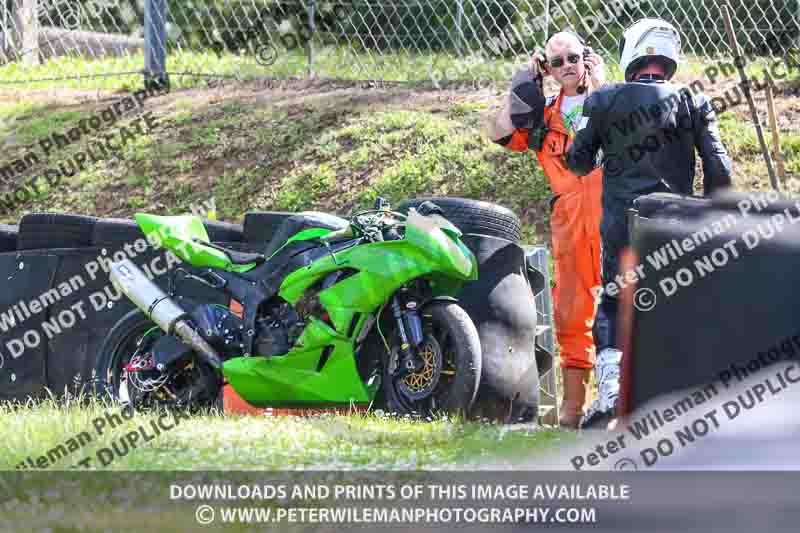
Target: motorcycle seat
{"x": 244, "y": 258}
{"x": 236, "y": 257}
{"x": 304, "y": 220}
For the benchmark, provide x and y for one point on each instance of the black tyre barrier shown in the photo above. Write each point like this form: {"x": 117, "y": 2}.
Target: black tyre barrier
{"x": 115, "y": 232}
{"x": 502, "y": 306}
{"x": 260, "y": 226}
{"x": 79, "y": 306}
{"x": 703, "y": 321}
{"x": 666, "y": 207}
{"x": 8, "y": 238}
{"x": 474, "y": 216}
{"x": 666, "y": 204}
{"x": 42, "y": 231}
{"x": 25, "y": 274}
{"x": 119, "y": 231}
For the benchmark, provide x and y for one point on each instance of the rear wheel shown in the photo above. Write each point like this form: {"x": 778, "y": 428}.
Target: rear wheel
{"x": 126, "y": 370}
{"x": 448, "y": 380}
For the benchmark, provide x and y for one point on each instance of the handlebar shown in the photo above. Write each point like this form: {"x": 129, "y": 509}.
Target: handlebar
{"x": 354, "y": 226}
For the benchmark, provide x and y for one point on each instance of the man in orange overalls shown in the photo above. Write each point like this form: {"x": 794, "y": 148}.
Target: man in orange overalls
{"x": 576, "y": 204}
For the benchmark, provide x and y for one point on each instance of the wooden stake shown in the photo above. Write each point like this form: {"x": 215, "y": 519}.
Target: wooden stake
{"x": 739, "y": 62}
{"x": 776, "y": 138}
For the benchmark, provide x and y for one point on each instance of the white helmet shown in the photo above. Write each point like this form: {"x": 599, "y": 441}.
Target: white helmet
{"x": 649, "y": 38}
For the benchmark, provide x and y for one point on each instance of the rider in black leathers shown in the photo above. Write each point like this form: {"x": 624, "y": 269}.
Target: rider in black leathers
{"x": 644, "y": 133}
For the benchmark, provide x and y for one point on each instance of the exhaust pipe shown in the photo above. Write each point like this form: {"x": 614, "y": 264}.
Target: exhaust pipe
{"x": 160, "y": 308}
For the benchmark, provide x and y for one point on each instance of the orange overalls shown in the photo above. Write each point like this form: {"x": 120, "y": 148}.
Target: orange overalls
{"x": 575, "y": 226}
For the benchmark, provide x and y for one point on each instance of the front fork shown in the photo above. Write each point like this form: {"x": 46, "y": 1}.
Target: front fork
{"x": 409, "y": 325}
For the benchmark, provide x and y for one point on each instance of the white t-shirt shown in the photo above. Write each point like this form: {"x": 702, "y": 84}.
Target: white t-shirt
{"x": 572, "y": 113}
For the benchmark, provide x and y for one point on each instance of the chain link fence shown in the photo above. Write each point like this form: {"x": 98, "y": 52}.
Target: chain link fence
{"x": 388, "y": 40}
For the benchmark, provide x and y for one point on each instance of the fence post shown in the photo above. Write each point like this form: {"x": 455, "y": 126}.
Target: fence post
{"x": 4, "y": 44}
{"x": 25, "y": 31}
{"x": 546, "y": 20}
{"x": 155, "y": 44}
{"x": 459, "y": 16}
{"x": 312, "y": 27}
{"x": 797, "y": 24}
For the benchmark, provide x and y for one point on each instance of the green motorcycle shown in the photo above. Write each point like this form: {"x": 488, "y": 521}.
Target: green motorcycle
{"x": 336, "y": 312}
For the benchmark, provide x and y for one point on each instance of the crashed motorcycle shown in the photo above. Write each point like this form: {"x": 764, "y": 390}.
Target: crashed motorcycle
{"x": 335, "y": 312}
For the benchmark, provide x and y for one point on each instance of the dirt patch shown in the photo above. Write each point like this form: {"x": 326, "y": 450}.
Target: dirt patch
{"x": 331, "y": 103}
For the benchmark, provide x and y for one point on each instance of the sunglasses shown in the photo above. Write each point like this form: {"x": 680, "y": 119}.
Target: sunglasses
{"x": 557, "y": 62}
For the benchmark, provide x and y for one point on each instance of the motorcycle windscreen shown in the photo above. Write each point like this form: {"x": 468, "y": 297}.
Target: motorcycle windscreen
{"x": 440, "y": 237}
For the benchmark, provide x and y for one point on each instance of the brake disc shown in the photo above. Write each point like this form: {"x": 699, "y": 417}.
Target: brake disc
{"x": 418, "y": 385}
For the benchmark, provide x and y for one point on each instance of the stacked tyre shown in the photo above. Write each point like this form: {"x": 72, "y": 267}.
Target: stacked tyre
{"x": 500, "y": 303}
{"x": 474, "y": 216}
{"x": 42, "y": 231}
{"x": 113, "y": 232}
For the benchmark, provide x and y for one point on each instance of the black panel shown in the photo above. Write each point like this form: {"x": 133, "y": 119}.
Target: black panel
{"x": 746, "y": 305}
{"x": 22, "y": 368}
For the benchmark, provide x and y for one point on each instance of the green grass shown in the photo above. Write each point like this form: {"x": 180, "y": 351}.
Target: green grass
{"x": 230, "y": 442}
{"x": 29, "y": 123}
{"x": 193, "y": 68}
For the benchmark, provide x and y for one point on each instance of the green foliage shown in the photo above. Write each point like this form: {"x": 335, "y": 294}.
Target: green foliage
{"x": 790, "y": 146}
{"x": 415, "y": 25}
{"x": 299, "y": 191}
{"x": 427, "y": 26}
{"x": 109, "y": 16}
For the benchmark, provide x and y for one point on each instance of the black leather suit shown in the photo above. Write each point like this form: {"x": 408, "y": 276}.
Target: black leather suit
{"x": 648, "y": 131}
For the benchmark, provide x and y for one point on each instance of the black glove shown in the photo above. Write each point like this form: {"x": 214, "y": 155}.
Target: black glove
{"x": 527, "y": 99}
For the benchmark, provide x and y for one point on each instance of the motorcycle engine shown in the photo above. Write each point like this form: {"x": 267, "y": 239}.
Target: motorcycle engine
{"x": 221, "y": 328}
{"x": 277, "y": 332}
{"x": 280, "y": 327}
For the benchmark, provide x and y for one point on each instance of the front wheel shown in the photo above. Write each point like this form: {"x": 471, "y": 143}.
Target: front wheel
{"x": 448, "y": 381}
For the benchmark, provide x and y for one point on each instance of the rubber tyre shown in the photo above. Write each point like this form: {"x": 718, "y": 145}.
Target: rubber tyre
{"x": 9, "y": 235}
{"x": 113, "y": 232}
{"x": 460, "y": 396}
{"x": 474, "y": 216}
{"x": 120, "y": 231}
{"x": 127, "y": 327}
{"x": 260, "y": 226}
{"x": 41, "y": 231}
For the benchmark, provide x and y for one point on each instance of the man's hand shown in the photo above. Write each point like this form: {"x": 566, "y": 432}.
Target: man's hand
{"x": 535, "y": 65}
{"x": 597, "y": 69}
